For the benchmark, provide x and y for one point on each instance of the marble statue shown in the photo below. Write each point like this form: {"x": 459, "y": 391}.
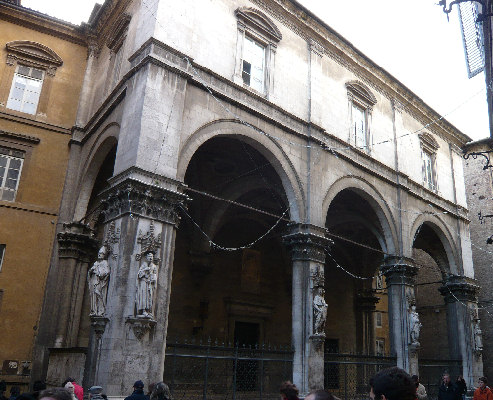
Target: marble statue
{"x": 478, "y": 339}
{"x": 97, "y": 278}
{"x": 319, "y": 312}
{"x": 414, "y": 325}
{"x": 146, "y": 285}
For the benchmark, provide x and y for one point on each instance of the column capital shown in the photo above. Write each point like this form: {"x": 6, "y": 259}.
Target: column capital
{"x": 77, "y": 241}
{"x": 399, "y": 270}
{"x": 459, "y": 288}
{"x": 307, "y": 242}
{"x": 136, "y": 197}
{"x": 366, "y": 300}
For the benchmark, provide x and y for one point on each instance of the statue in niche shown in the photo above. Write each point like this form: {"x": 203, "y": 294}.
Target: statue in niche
{"x": 319, "y": 312}
{"x": 97, "y": 278}
{"x": 146, "y": 285}
{"x": 414, "y": 325}
{"x": 478, "y": 336}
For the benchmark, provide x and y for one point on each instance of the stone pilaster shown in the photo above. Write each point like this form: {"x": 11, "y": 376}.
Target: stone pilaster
{"x": 366, "y": 301}
{"x": 308, "y": 244}
{"x": 132, "y": 345}
{"x": 400, "y": 274}
{"x": 465, "y": 342}
{"x": 76, "y": 248}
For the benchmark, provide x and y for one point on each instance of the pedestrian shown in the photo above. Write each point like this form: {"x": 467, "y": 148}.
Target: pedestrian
{"x": 138, "y": 393}
{"x": 289, "y": 391}
{"x": 70, "y": 387}
{"x": 55, "y": 394}
{"x": 392, "y": 384}
{"x": 461, "y": 387}
{"x": 78, "y": 390}
{"x": 15, "y": 391}
{"x": 320, "y": 395}
{"x": 447, "y": 390}
{"x": 160, "y": 391}
{"x": 95, "y": 393}
{"x": 483, "y": 392}
{"x": 420, "y": 389}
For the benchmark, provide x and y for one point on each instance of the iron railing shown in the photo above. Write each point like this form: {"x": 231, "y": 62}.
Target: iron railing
{"x": 223, "y": 371}
{"x": 347, "y": 375}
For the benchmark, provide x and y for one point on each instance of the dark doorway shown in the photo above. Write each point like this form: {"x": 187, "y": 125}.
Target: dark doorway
{"x": 247, "y": 335}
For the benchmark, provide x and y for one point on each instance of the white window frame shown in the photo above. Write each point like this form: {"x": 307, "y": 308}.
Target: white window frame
{"x": 255, "y": 26}
{"x": 3, "y": 248}
{"x": 360, "y": 98}
{"x": 10, "y": 154}
{"x": 380, "y": 344}
{"x": 378, "y": 319}
{"x": 19, "y": 75}
{"x": 248, "y": 41}
{"x": 429, "y": 148}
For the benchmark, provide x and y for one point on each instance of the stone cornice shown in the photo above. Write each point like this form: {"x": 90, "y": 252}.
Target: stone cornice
{"x": 42, "y": 23}
{"x": 32, "y": 122}
{"x": 19, "y": 137}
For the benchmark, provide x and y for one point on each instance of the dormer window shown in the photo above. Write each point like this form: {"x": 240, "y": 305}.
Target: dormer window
{"x": 256, "y": 47}
{"x": 361, "y": 102}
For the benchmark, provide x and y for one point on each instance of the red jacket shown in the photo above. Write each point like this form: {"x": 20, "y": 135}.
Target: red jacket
{"x": 484, "y": 394}
{"x": 79, "y": 392}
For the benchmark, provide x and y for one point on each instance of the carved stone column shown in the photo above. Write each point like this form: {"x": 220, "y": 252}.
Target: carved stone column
{"x": 76, "y": 248}
{"x": 133, "y": 341}
{"x": 400, "y": 274}
{"x": 464, "y": 332}
{"x": 307, "y": 244}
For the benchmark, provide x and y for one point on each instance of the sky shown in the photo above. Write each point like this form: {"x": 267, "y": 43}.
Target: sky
{"x": 412, "y": 40}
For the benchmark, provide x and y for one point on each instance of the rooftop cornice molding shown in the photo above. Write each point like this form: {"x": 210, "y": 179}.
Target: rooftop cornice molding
{"x": 304, "y": 23}
{"x": 42, "y": 23}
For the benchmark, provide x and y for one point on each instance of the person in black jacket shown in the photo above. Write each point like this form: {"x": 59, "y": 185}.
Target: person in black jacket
{"x": 447, "y": 390}
{"x": 138, "y": 393}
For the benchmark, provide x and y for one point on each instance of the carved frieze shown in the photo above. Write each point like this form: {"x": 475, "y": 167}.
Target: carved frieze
{"x": 76, "y": 241}
{"x": 137, "y": 198}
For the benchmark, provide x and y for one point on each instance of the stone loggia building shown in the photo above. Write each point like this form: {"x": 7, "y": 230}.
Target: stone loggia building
{"x": 208, "y": 127}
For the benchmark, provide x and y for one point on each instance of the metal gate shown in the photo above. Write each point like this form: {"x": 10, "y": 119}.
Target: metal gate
{"x": 222, "y": 371}
{"x": 347, "y": 375}
{"x": 431, "y": 371}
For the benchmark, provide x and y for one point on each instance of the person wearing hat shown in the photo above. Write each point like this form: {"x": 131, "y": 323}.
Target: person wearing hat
{"x": 138, "y": 393}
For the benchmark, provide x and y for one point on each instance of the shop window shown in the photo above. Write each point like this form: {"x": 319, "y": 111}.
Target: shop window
{"x": 256, "y": 47}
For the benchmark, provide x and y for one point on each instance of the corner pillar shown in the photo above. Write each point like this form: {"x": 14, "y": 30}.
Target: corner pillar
{"x": 307, "y": 245}
{"x": 465, "y": 336}
{"x": 400, "y": 274}
{"x": 128, "y": 336}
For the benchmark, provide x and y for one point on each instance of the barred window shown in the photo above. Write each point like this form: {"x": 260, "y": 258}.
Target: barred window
{"x": 26, "y": 89}
{"x": 10, "y": 171}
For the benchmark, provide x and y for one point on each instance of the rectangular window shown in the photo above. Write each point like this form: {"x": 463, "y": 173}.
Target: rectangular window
{"x": 428, "y": 170}
{"x": 380, "y": 347}
{"x": 26, "y": 89}
{"x": 359, "y": 126}
{"x": 2, "y": 254}
{"x": 10, "y": 171}
{"x": 253, "y": 67}
{"x": 378, "y": 319}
